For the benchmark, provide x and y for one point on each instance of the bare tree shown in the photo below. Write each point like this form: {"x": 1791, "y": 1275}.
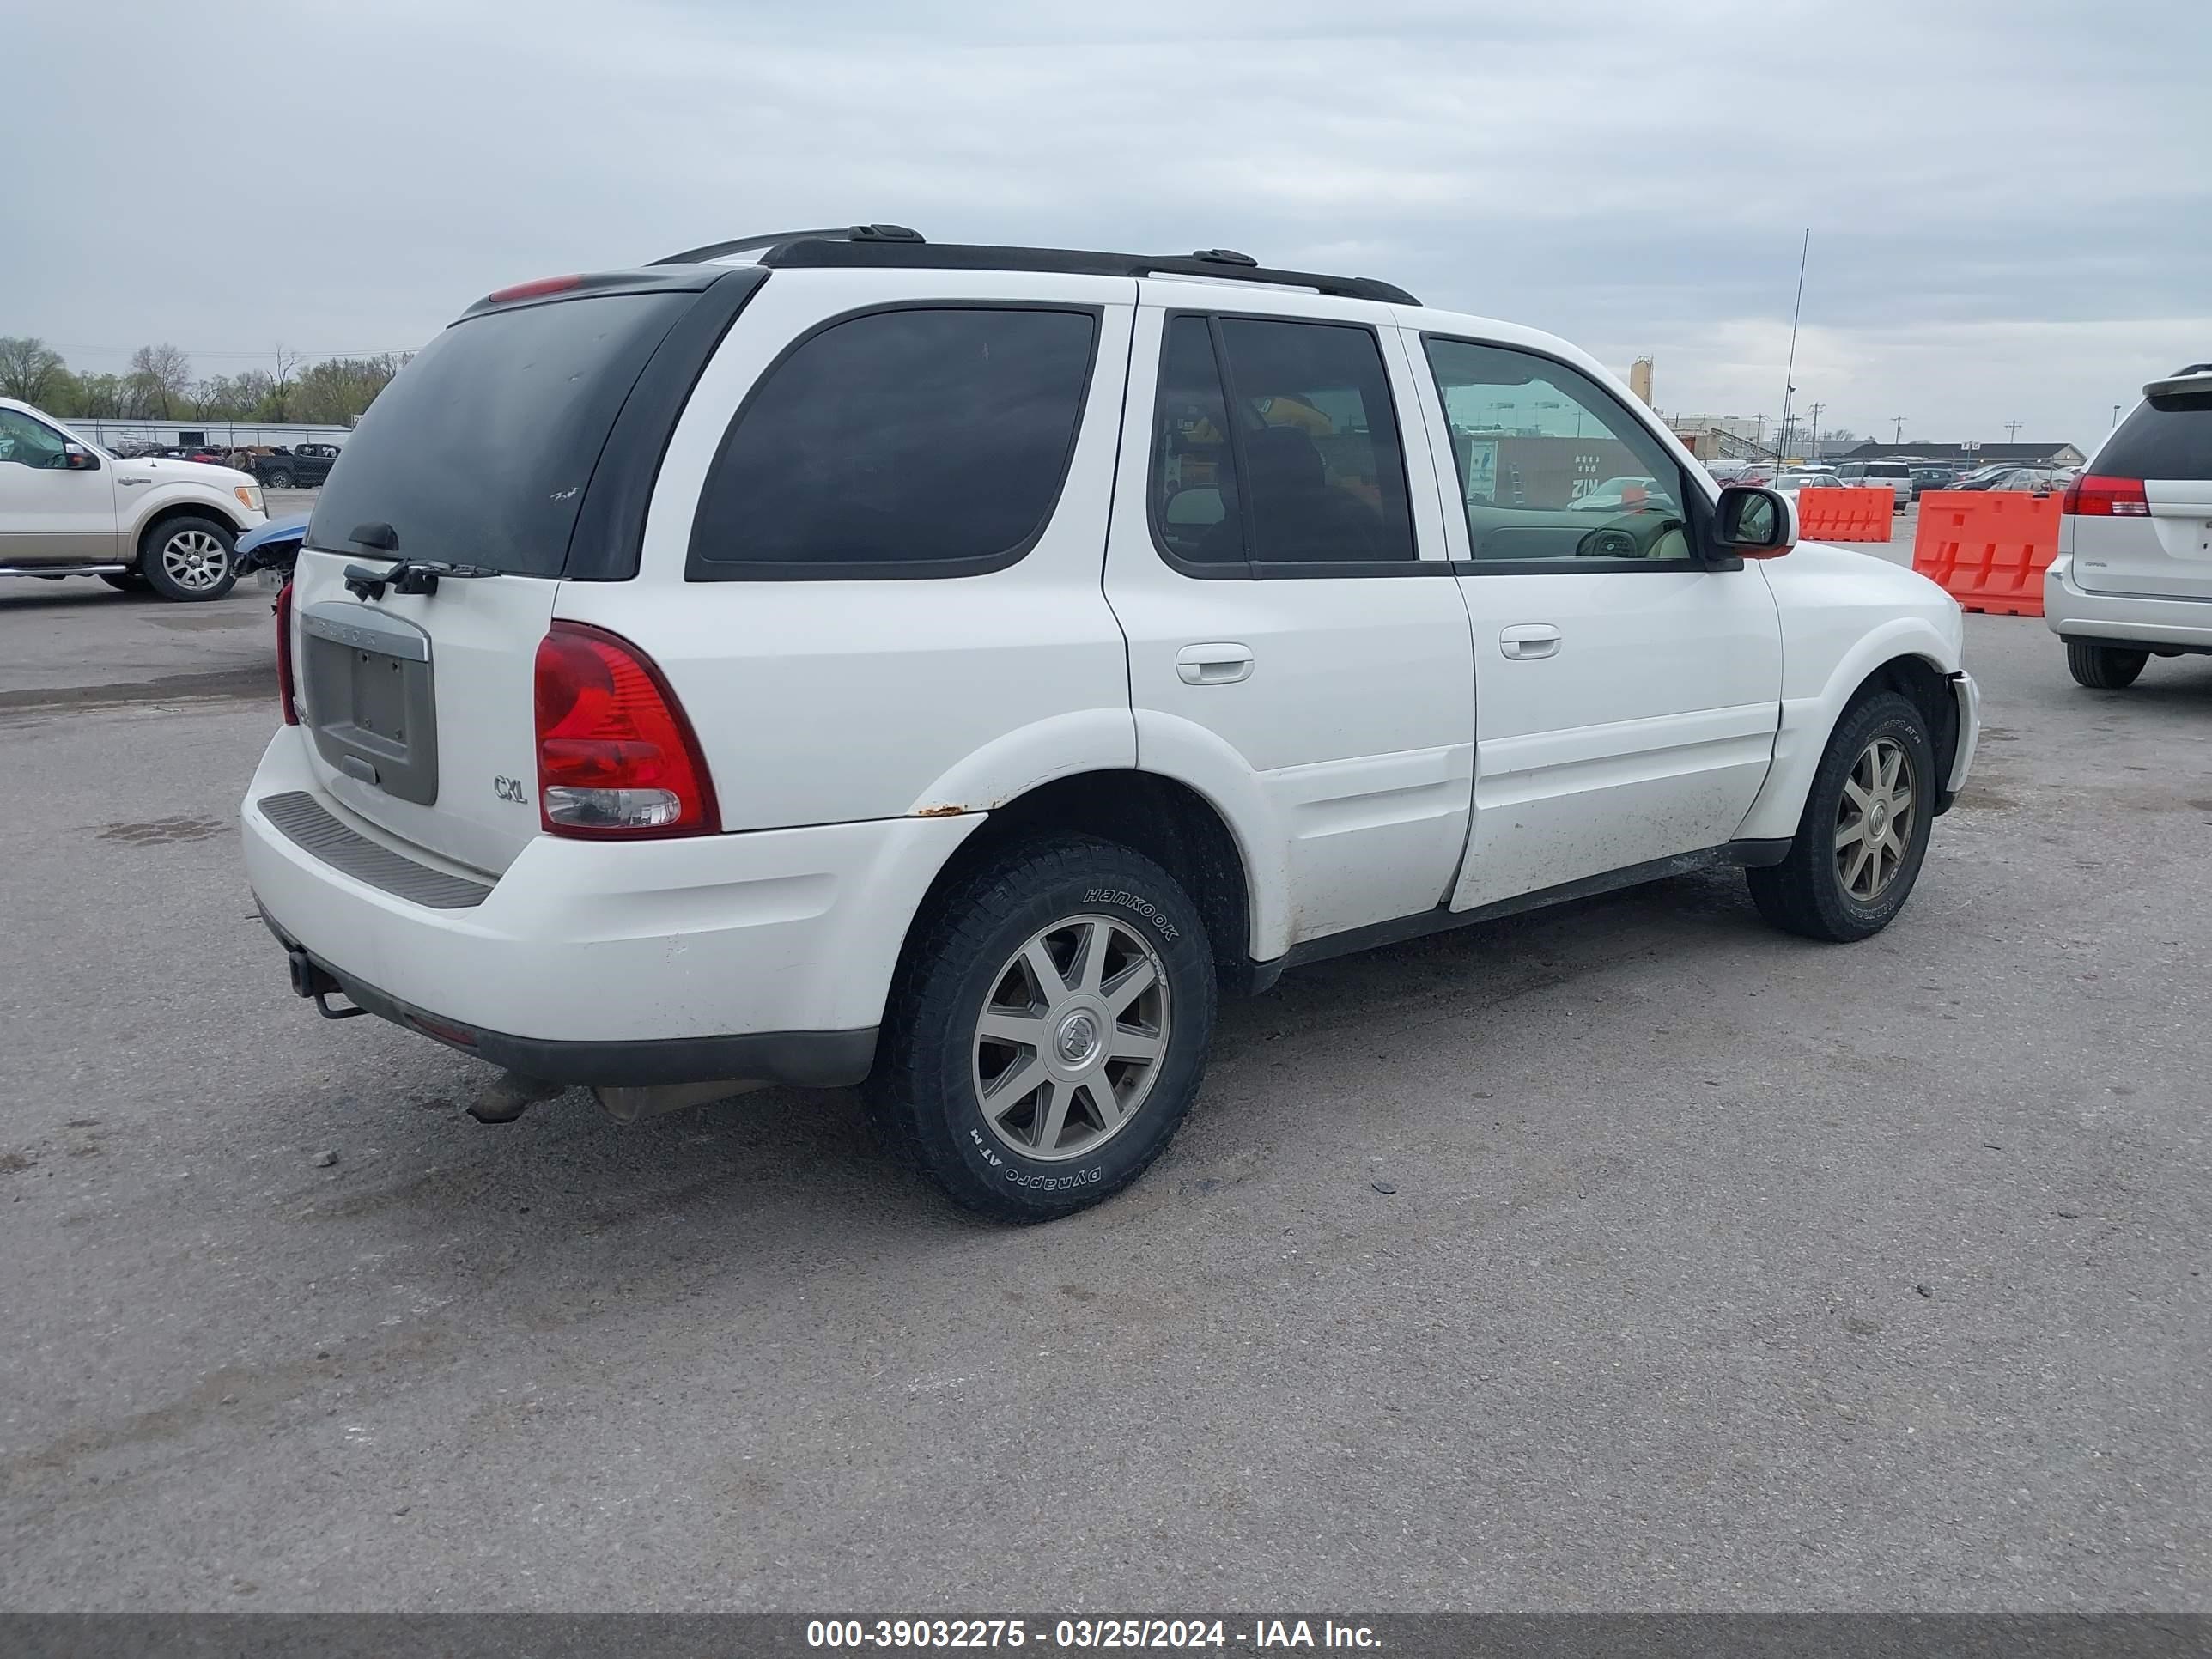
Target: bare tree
{"x": 30, "y": 370}
{"x": 161, "y": 378}
{"x": 280, "y": 383}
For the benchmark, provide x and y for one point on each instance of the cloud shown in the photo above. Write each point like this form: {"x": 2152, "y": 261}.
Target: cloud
{"x": 2009, "y": 209}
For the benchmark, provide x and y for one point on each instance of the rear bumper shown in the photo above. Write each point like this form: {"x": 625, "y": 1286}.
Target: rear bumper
{"x": 818, "y": 1059}
{"x": 765, "y": 957}
{"x": 2121, "y": 618}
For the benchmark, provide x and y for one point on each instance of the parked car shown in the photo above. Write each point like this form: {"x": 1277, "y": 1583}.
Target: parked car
{"x": 1628, "y": 494}
{"x": 1925, "y": 478}
{"x": 1896, "y": 477}
{"x": 1984, "y": 477}
{"x": 1790, "y": 480}
{"x": 2041, "y": 480}
{"x": 67, "y": 507}
{"x": 270, "y": 551}
{"x": 2133, "y": 576}
{"x": 297, "y": 465}
{"x": 955, "y": 668}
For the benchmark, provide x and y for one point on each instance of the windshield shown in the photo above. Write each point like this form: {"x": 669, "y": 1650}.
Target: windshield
{"x": 479, "y": 451}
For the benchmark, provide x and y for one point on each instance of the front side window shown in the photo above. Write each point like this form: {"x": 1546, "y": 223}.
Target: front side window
{"x": 914, "y": 441}
{"x": 28, "y": 442}
{"x": 1276, "y": 445}
{"x": 1551, "y": 467}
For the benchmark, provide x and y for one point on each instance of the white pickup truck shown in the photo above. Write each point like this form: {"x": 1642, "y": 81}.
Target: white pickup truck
{"x": 67, "y": 507}
{"x": 844, "y": 658}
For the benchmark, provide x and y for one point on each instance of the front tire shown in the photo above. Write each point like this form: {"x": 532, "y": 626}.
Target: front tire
{"x": 1863, "y": 834}
{"x": 1047, "y": 1028}
{"x": 2104, "y": 667}
{"x": 189, "y": 559}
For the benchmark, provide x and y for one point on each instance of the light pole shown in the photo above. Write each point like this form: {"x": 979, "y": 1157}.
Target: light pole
{"x": 1789, "y": 371}
{"x": 2116, "y": 414}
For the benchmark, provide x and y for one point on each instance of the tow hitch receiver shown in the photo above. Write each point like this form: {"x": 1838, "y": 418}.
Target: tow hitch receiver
{"x": 310, "y": 981}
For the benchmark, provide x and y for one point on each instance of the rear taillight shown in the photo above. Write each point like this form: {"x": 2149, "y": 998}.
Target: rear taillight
{"x": 2106, "y": 498}
{"x": 616, "y": 758}
{"x": 284, "y": 655}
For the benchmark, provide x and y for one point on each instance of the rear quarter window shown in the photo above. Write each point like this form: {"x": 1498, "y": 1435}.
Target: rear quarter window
{"x": 480, "y": 450}
{"x": 916, "y": 442}
{"x": 2165, "y": 438}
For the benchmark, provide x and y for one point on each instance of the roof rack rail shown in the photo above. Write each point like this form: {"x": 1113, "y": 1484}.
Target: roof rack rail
{"x": 692, "y": 256}
{"x": 894, "y": 247}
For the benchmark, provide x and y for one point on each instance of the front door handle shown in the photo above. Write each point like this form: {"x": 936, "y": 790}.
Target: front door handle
{"x": 1220, "y": 663}
{"x": 1526, "y": 640}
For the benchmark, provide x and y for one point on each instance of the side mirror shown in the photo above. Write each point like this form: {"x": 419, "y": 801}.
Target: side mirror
{"x": 1752, "y": 523}
{"x": 75, "y": 457}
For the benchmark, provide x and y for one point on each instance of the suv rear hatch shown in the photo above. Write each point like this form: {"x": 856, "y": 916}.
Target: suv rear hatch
{"x": 2139, "y": 519}
{"x": 517, "y": 450}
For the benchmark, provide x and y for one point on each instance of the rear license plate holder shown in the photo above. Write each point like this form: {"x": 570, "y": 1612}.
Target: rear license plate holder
{"x": 369, "y": 698}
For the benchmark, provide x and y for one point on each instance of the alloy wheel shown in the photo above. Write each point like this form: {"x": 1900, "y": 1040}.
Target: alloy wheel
{"x": 1873, "y": 819}
{"x": 195, "y": 559}
{"x": 1071, "y": 1037}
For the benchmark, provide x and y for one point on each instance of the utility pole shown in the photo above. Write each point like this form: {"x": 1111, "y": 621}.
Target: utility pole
{"x": 1898, "y": 436}
{"x": 1816, "y": 434}
{"x": 2012, "y": 431}
{"x": 1789, "y": 371}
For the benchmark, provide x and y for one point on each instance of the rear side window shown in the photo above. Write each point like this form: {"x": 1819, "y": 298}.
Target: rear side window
{"x": 910, "y": 442}
{"x": 2169, "y": 437}
{"x": 480, "y": 450}
{"x": 1276, "y": 444}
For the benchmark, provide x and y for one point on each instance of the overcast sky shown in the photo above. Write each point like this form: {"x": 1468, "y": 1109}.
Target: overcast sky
{"x": 2010, "y": 203}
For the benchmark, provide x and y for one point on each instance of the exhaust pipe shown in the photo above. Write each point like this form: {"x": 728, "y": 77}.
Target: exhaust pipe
{"x": 509, "y": 1094}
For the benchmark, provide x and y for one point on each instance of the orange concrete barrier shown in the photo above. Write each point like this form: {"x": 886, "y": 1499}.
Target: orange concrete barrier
{"x": 1988, "y": 548}
{"x": 1859, "y": 513}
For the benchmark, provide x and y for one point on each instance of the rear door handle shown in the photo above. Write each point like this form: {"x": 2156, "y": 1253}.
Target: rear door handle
{"x": 1526, "y": 640}
{"x": 1221, "y": 664}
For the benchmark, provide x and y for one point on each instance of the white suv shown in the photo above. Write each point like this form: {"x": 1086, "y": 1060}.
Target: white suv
{"x": 1896, "y": 477}
{"x": 849, "y": 657}
{"x": 2133, "y": 577}
{"x": 67, "y": 507}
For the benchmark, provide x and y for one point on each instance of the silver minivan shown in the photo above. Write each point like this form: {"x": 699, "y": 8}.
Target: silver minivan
{"x": 2133, "y": 575}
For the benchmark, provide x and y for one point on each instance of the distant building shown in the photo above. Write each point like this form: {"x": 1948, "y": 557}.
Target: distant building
{"x": 1967, "y": 454}
{"x": 1721, "y": 437}
{"x": 1640, "y": 380}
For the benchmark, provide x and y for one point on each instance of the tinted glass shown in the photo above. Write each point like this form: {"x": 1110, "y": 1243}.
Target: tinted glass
{"x": 480, "y": 450}
{"x": 1194, "y": 486}
{"x": 1551, "y": 466}
{"x": 2171, "y": 438}
{"x": 903, "y": 437}
{"x": 1323, "y": 477}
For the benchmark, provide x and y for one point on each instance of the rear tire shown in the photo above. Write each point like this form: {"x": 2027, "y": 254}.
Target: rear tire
{"x": 2104, "y": 667}
{"x": 189, "y": 559}
{"x": 279, "y": 479}
{"x": 1850, "y": 869}
{"x": 1047, "y": 1028}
